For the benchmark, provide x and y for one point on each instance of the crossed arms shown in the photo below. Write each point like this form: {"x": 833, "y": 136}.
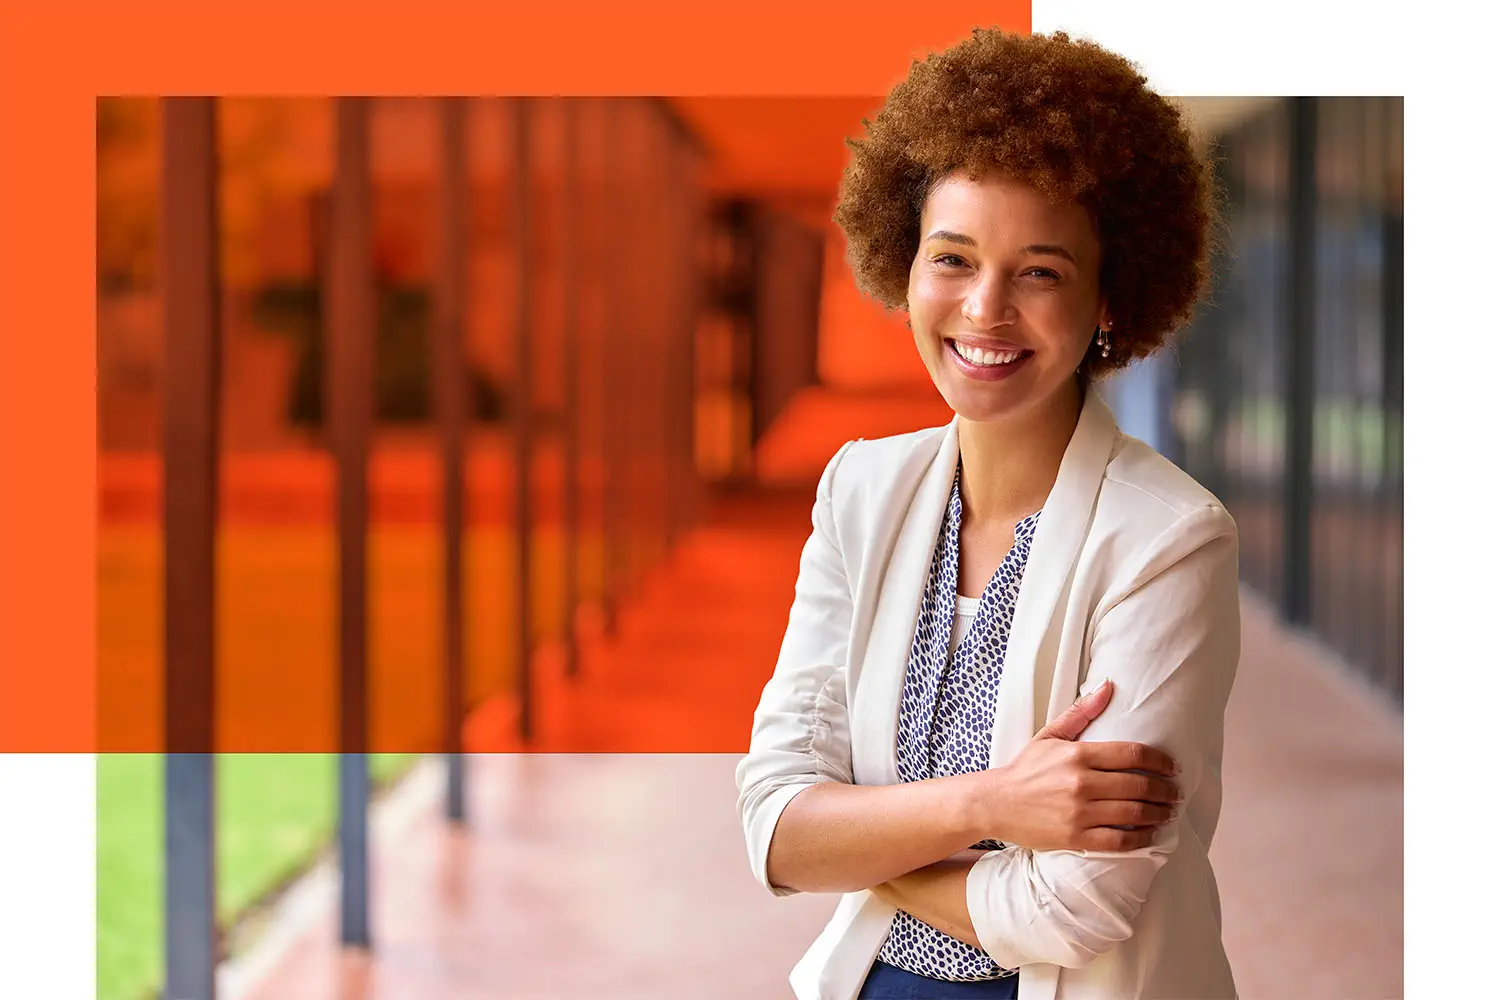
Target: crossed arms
{"x": 1070, "y": 884}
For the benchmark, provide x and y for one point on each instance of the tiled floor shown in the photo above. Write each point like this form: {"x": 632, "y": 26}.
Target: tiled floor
{"x": 1309, "y": 850}
{"x": 611, "y": 870}
{"x": 581, "y": 876}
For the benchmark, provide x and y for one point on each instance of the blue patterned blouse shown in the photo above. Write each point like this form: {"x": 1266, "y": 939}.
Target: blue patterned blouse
{"x": 947, "y": 716}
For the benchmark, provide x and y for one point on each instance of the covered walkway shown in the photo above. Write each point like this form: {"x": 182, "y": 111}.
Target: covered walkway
{"x": 582, "y": 874}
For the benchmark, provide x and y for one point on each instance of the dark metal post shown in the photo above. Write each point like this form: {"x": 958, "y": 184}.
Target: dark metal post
{"x": 1393, "y": 304}
{"x": 1368, "y": 608}
{"x": 572, "y": 376}
{"x": 614, "y": 407}
{"x": 1342, "y": 391}
{"x": 668, "y": 280}
{"x": 693, "y": 211}
{"x": 192, "y": 351}
{"x": 655, "y": 401}
{"x": 1300, "y": 331}
{"x": 521, "y": 408}
{"x": 451, "y": 410}
{"x": 679, "y": 359}
{"x": 349, "y": 380}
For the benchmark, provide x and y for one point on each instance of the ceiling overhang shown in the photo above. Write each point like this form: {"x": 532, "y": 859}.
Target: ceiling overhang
{"x": 791, "y": 152}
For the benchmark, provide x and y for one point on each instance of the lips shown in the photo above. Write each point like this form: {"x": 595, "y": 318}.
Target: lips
{"x": 1003, "y": 358}
{"x": 984, "y": 343}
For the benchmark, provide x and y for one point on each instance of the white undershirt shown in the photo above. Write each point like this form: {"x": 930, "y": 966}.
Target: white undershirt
{"x": 963, "y": 616}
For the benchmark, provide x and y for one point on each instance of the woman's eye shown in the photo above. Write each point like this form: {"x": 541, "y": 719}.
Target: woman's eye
{"x": 948, "y": 260}
{"x": 1042, "y": 272}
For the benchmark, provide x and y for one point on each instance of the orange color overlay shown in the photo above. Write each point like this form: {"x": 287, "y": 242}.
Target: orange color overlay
{"x": 57, "y": 56}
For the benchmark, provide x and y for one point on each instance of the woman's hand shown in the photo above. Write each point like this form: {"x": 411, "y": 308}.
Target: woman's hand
{"x": 1058, "y": 794}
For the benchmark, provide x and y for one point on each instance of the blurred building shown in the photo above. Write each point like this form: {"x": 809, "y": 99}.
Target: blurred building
{"x": 1284, "y": 396}
{"x": 686, "y": 245}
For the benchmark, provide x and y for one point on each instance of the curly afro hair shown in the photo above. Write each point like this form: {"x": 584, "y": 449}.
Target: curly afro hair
{"x": 1072, "y": 120}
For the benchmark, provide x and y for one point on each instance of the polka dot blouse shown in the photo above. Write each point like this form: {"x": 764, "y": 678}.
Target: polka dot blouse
{"x": 948, "y": 713}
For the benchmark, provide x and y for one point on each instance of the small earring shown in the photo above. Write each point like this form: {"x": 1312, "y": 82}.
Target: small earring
{"x": 1102, "y": 339}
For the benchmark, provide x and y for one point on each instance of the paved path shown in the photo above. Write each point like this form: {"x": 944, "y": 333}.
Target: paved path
{"x": 610, "y": 870}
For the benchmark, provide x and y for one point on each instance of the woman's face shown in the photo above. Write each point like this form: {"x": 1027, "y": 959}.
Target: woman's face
{"x": 1003, "y": 295}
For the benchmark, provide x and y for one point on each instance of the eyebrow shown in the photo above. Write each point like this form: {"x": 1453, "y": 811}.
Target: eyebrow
{"x": 1043, "y": 249}
{"x": 948, "y": 236}
{"x": 1049, "y": 250}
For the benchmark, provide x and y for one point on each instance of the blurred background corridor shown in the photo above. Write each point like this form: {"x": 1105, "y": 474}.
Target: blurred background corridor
{"x": 484, "y": 434}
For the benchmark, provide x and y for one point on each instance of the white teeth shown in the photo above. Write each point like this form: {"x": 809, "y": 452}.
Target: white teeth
{"x": 978, "y": 356}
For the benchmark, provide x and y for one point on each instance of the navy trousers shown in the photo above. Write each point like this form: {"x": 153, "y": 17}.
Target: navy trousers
{"x": 886, "y": 982}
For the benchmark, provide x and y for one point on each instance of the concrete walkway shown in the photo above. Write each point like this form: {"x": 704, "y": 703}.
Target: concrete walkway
{"x": 1309, "y": 851}
{"x": 623, "y": 874}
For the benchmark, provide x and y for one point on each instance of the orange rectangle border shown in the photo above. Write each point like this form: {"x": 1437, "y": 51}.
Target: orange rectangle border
{"x": 57, "y": 56}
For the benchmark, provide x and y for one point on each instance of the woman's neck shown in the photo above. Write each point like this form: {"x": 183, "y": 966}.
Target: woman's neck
{"x": 1010, "y": 465}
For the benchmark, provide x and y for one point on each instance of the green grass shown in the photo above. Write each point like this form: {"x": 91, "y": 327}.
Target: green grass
{"x": 1348, "y": 433}
{"x": 276, "y": 812}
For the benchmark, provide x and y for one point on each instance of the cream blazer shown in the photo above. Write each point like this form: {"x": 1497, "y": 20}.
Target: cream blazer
{"x": 1133, "y": 575}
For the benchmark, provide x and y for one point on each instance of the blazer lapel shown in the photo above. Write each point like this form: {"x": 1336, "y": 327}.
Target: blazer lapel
{"x": 1055, "y": 547}
{"x": 877, "y": 698}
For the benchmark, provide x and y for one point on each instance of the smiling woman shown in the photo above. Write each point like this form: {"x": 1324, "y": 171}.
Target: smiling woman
{"x": 1042, "y": 218}
{"x": 1075, "y": 124}
{"x": 1004, "y": 286}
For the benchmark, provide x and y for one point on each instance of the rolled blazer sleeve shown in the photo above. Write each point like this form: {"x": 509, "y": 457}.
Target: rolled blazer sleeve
{"x": 1169, "y": 640}
{"x": 800, "y": 735}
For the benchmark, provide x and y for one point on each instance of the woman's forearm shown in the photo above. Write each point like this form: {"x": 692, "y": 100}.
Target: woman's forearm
{"x": 835, "y": 837}
{"x": 937, "y": 895}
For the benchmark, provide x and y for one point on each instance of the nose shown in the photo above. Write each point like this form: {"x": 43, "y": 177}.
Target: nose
{"x": 987, "y": 302}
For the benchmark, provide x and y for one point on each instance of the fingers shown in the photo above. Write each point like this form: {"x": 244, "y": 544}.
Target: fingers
{"x": 1127, "y": 812}
{"x": 1107, "y": 785}
{"x": 1073, "y": 720}
{"x": 1104, "y": 838}
{"x": 1127, "y": 757}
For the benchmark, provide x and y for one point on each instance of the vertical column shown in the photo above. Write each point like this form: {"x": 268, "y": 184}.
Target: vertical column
{"x": 1392, "y": 335}
{"x": 1368, "y": 607}
{"x": 694, "y": 215}
{"x": 657, "y": 285}
{"x": 569, "y": 235}
{"x": 628, "y": 370}
{"x": 683, "y": 249}
{"x": 191, "y": 333}
{"x": 1220, "y": 370}
{"x": 613, "y": 351}
{"x": 349, "y": 379}
{"x": 594, "y": 330}
{"x": 451, "y": 410}
{"x": 521, "y": 419}
{"x": 626, "y": 373}
{"x": 1327, "y": 555}
{"x": 1300, "y": 354}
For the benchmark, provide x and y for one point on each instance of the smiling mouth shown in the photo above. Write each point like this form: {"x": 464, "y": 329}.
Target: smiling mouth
{"x": 981, "y": 357}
